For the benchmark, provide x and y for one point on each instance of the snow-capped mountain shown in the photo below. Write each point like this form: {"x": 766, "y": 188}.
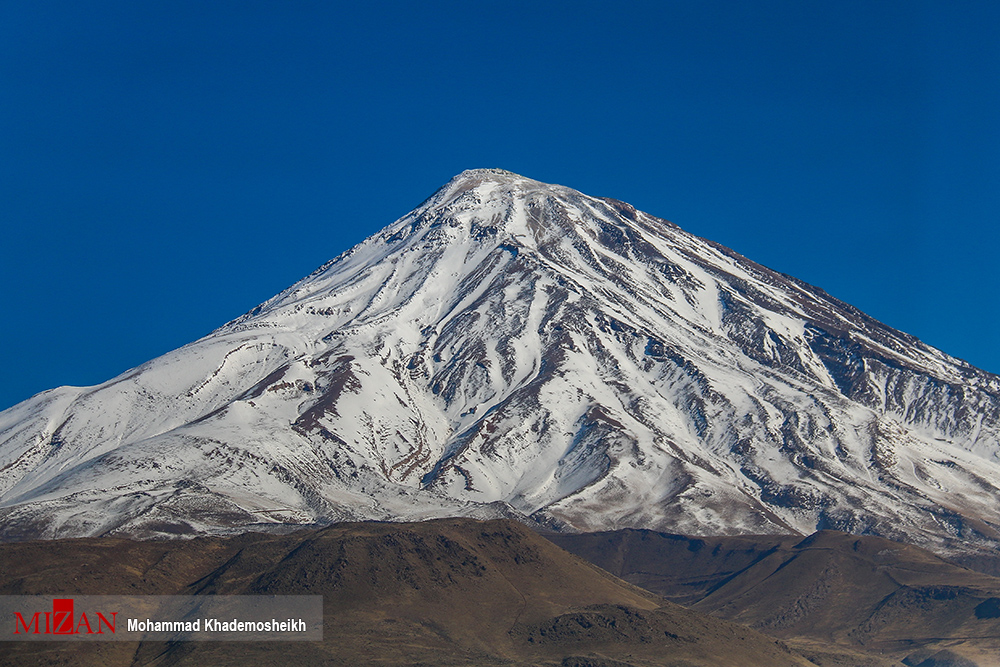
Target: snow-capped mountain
{"x": 513, "y": 347}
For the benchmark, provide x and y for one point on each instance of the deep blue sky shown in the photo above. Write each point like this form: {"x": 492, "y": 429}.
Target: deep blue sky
{"x": 165, "y": 166}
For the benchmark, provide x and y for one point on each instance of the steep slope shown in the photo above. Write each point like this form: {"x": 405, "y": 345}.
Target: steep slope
{"x": 521, "y": 349}
{"x": 448, "y": 592}
{"x": 861, "y": 593}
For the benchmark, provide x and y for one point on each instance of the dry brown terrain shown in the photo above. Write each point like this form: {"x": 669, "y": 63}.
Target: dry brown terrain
{"x": 829, "y": 592}
{"x": 447, "y": 592}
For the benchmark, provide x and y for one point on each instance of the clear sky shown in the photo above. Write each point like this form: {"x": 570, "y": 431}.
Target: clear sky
{"x": 166, "y": 166}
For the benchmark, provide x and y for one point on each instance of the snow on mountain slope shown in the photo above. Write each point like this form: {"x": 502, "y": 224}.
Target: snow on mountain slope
{"x": 517, "y": 348}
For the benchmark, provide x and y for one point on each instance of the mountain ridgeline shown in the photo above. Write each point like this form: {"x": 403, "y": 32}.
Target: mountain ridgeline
{"x": 517, "y": 349}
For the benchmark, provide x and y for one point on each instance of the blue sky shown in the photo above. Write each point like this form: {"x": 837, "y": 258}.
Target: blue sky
{"x": 164, "y": 167}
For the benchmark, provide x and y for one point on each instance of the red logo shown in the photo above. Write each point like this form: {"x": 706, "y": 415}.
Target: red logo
{"x": 62, "y": 621}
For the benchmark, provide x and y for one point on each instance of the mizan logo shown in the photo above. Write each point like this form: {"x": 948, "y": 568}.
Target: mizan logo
{"x": 62, "y": 621}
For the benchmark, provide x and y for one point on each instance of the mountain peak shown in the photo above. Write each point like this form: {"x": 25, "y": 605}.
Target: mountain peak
{"x": 498, "y": 174}
{"x": 492, "y": 183}
{"x": 512, "y": 348}
{"x": 471, "y": 178}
